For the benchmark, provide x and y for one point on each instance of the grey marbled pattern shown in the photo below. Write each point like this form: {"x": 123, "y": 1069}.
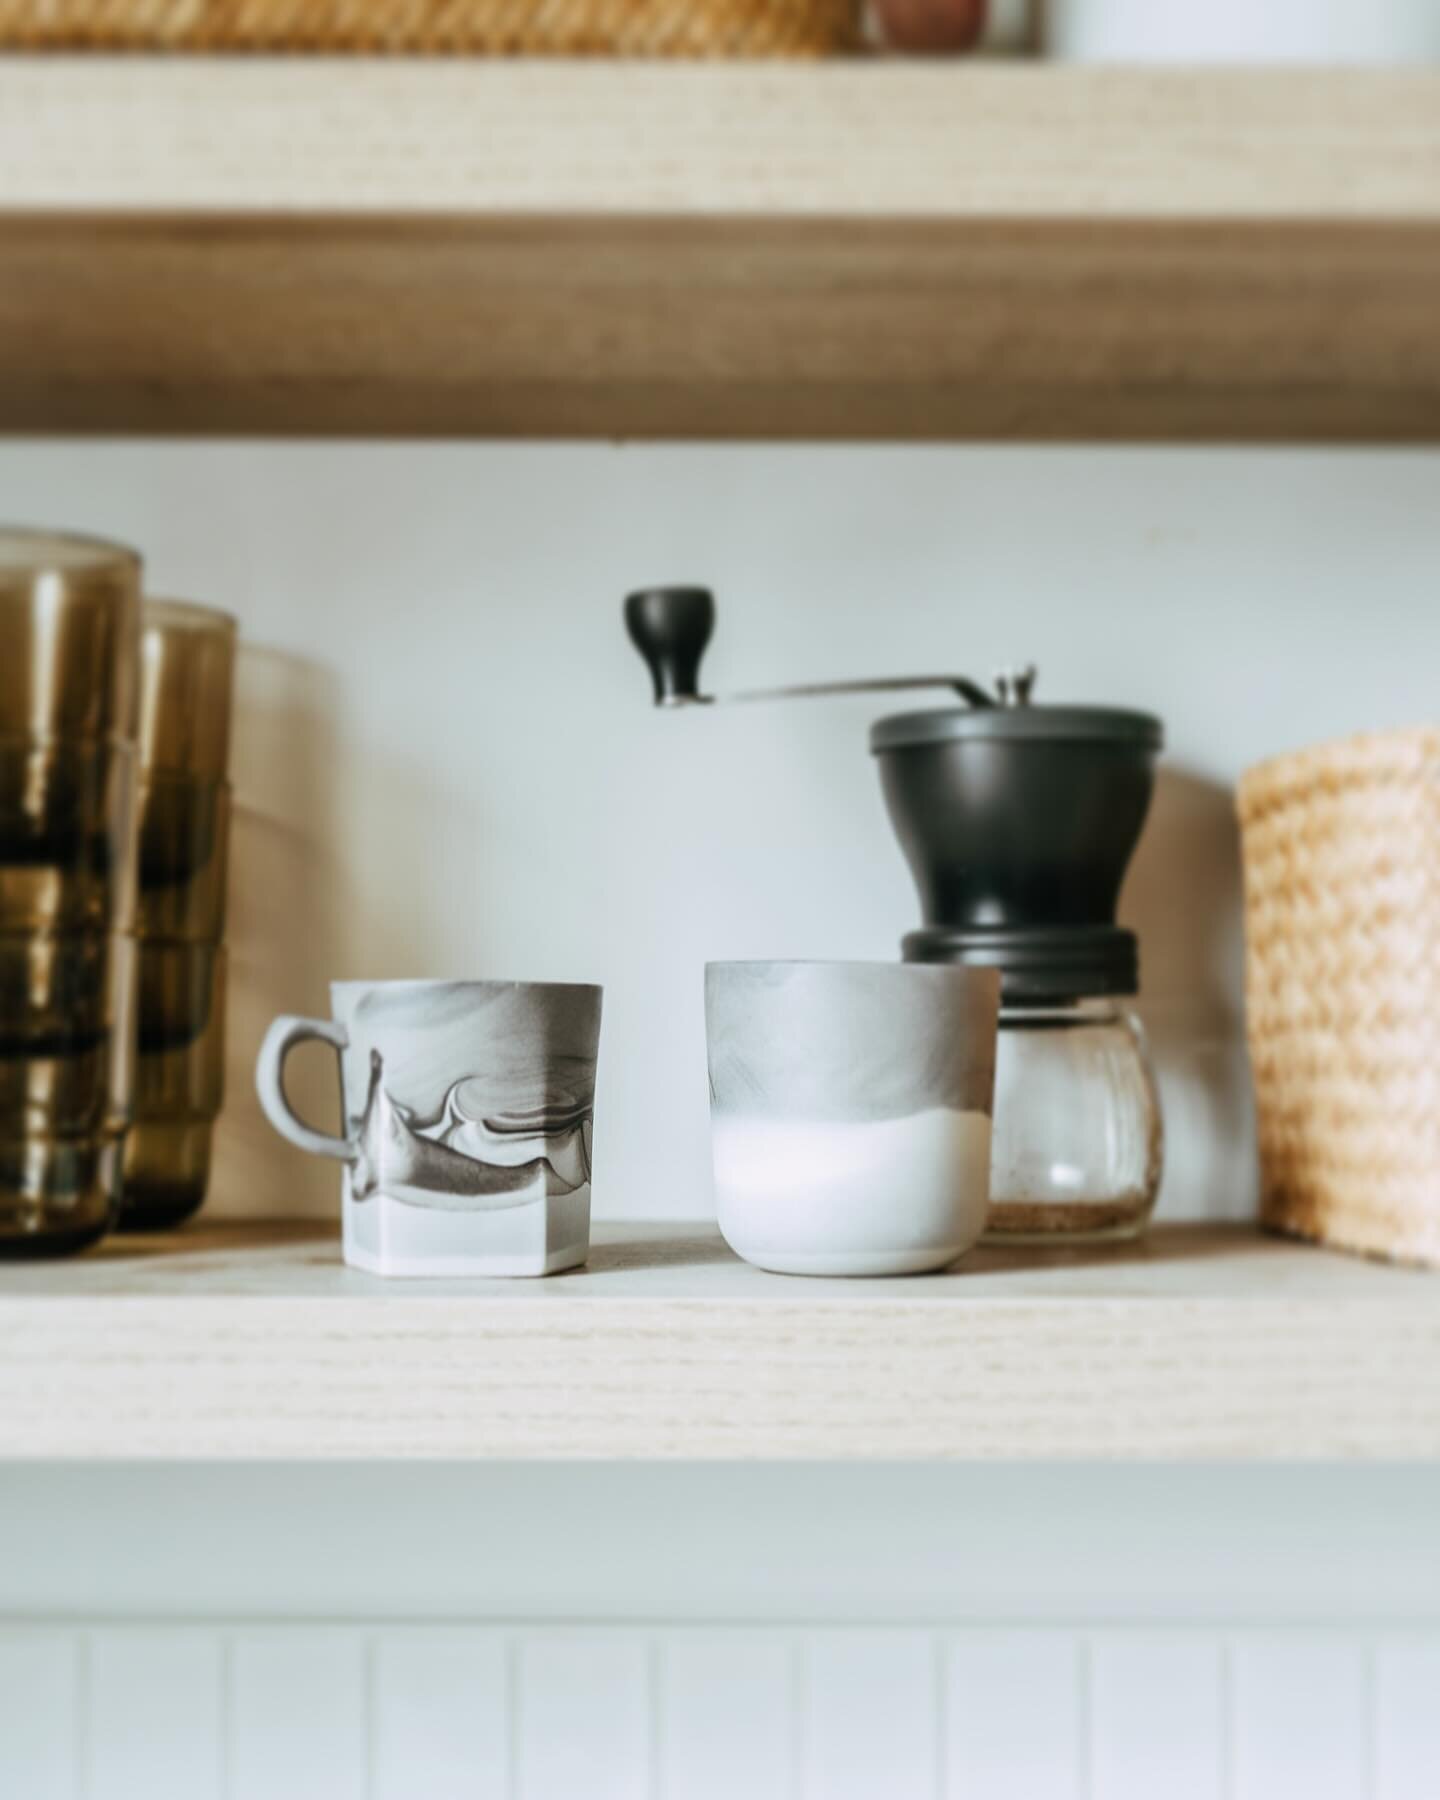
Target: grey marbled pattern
{"x": 850, "y": 1041}
{"x": 468, "y": 1095}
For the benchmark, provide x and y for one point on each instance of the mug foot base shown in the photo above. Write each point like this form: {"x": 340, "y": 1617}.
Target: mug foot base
{"x": 424, "y": 1268}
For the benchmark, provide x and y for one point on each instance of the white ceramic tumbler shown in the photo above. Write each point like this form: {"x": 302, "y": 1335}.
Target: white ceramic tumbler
{"x": 850, "y": 1112}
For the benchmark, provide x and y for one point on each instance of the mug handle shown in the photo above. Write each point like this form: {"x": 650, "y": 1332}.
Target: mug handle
{"x": 282, "y": 1037}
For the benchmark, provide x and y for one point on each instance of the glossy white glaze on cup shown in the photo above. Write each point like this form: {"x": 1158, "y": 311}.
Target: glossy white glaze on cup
{"x": 894, "y": 1197}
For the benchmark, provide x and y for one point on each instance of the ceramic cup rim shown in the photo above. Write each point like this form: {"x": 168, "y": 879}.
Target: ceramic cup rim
{"x": 842, "y": 965}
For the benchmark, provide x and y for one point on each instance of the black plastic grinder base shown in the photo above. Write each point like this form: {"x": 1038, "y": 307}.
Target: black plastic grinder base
{"x": 1038, "y": 967}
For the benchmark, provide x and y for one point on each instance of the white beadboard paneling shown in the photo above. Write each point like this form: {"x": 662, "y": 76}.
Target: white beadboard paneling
{"x": 442, "y": 1713}
{"x": 1014, "y": 1716}
{"x": 41, "y": 1680}
{"x": 298, "y": 1716}
{"x": 870, "y": 1719}
{"x": 584, "y": 1724}
{"x": 1407, "y": 1719}
{"x": 1157, "y": 1707}
{"x": 156, "y": 1716}
{"x": 1300, "y": 1719}
{"x": 727, "y": 1722}
{"x": 468, "y": 1712}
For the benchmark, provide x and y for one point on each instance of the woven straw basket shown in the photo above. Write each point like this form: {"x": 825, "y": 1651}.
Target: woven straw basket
{"x": 496, "y": 27}
{"x": 1342, "y": 910}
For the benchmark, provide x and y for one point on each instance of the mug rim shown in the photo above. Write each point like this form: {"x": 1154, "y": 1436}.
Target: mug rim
{"x": 463, "y": 981}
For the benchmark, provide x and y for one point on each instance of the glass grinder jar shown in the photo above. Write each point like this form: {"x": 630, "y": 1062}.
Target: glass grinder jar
{"x": 1078, "y": 1144}
{"x": 1018, "y": 822}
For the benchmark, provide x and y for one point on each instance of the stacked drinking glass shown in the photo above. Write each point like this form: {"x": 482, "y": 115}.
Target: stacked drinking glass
{"x": 187, "y": 678}
{"x": 69, "y": 691}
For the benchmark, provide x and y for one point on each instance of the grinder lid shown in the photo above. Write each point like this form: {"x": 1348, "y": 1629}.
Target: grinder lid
{"x": 1016, "y": 724}
{"x": 1018, "y": 843}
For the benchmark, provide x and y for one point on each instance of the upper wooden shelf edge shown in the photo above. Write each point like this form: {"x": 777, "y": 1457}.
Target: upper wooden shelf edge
{"x": 255, "y": 1342}
{"x": 773, "y": 251}
{"x": 779, "y": 140}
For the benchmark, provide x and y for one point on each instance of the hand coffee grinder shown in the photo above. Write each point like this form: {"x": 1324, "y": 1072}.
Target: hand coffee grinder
{"x": 1018, "y": 821}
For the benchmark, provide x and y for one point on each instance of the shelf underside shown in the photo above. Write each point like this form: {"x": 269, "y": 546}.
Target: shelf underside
{"x": 732, "y": 253}
{"x": 720, "y": 329}
{"x": 254, "y": 1342}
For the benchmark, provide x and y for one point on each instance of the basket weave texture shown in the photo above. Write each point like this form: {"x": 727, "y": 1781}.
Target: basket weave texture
{"x": 1342, "y": 912}
{"x": 719, "y": 28}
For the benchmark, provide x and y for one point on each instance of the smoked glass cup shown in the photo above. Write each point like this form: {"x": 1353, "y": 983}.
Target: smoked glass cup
{"x": 67, "y": 835}
{"x": 67, "y": 1078}
{"x": 69, "y": 694}
{"x": 187, "y": 682}
{"x": 180, "y": 1077}
{"x": 70, "y": 616}
{"x": 186, "y": 695}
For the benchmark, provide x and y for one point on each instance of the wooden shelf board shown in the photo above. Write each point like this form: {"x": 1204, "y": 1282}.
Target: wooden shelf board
{"x": 254, "y": 1342}
{"x": 850, "y": 251}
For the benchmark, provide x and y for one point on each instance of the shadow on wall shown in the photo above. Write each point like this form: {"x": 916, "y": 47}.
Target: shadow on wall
{"x": 1185, "y": 899}
{"x": 333, "y": 876}
{"x": 286, "y": 916}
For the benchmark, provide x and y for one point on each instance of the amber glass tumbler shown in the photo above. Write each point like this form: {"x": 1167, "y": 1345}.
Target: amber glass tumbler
{"x": 69, "y": 698}
{"x": 187, "y": 687}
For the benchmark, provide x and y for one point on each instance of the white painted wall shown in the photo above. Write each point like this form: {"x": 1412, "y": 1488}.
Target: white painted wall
{"x": 447, "y": 764}
{"x": 739, "y": 1544}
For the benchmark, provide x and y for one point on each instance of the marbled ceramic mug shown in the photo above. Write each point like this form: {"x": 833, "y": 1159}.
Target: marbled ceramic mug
{"x": 468, "y": 1113}
{"x": 850, "y": 1110}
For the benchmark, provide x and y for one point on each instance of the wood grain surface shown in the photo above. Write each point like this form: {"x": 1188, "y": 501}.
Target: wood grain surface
{"x": 387, "y": 136}
{"x": 255, "y": 1342}
{"x": 814, "y": 252}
